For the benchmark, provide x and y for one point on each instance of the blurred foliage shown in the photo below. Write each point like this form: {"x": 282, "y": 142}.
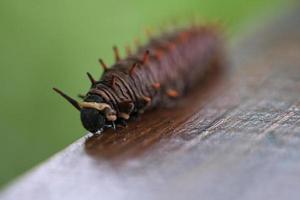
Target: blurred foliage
{"x": 53, "y": 43}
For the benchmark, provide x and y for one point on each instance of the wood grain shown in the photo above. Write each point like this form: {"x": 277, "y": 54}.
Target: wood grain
{"x": 237, "y": 136}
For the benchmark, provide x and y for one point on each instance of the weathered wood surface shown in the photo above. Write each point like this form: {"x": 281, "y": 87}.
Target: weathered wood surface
{"x": 236, "y": 138}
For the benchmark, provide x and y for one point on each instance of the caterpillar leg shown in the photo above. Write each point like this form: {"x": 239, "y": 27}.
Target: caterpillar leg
{"x": 135, "y": 116}
{"x": 143, "y": 103}
{"x": 126, "y": 107}
{"x": 110, "y": 125}
{"x": 121, "y": 123}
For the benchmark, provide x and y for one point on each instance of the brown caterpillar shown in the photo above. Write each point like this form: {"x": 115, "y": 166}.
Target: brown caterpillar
{"x": 157, "y": 74}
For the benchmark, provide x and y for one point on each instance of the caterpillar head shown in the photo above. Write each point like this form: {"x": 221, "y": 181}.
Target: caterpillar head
{"x": 95, "y": 114}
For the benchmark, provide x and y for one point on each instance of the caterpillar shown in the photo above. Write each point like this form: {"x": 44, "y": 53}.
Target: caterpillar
{"x": 157, "y": 74}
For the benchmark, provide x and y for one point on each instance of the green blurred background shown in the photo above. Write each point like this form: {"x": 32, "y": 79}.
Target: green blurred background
{"x": 53, "y": 43}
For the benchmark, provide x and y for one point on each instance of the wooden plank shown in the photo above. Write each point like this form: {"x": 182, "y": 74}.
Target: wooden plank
{"x": 237, "y": 137}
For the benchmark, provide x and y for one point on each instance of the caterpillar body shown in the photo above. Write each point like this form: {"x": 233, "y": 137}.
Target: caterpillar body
{"x": 156, "y": 74}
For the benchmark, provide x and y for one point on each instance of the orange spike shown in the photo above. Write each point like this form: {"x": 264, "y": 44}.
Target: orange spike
{"x": 116, "y": 52}
{"x": 156, "y": 85}
{"x": 171, "y": 46}
{"x": 172, "y": 93}
{"x": 146, "y": 56}
{"x": 128, "y": 50}
{"x": 183, "y": 36}
{"x": 104, "y": 66}
{"x": 132, "y": 69}
{"x": 93, "y": 81}
{"x": 158, "y": 54}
